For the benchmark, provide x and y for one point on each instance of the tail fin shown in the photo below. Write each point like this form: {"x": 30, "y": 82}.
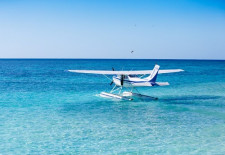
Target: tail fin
{"x": 153, "y": 76}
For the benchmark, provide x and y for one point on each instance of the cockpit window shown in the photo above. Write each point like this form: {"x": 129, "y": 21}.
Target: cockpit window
{"x": 132, "y": 75}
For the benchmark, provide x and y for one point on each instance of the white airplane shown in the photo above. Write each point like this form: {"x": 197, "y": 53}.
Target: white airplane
{"x": 130, "y": 79}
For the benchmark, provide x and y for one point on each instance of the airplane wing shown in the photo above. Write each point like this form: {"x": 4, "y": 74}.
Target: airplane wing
{"x": 125, "y": 72}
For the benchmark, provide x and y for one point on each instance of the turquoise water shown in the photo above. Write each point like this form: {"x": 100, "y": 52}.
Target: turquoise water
{"x": 46, "y": 110}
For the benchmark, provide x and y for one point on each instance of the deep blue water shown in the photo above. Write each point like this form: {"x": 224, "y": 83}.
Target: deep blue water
{"x": 46, "y": 110}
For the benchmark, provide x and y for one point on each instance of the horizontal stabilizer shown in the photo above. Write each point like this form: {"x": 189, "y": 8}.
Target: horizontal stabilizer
{"x": 162, "y": 83}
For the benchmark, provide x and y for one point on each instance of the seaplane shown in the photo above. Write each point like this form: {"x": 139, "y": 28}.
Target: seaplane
{"x": 130, "y": 80}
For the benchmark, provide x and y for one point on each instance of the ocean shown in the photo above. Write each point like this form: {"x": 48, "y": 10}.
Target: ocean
{"x": 44, "y": 109}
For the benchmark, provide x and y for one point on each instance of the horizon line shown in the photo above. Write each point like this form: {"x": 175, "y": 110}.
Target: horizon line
{"x": 105, "y": 59}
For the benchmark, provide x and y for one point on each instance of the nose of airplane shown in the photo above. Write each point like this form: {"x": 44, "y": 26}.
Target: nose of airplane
{"x": 116, "y": 80}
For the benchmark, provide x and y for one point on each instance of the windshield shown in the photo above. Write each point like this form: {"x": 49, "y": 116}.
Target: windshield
{"x": 132, "y": 75}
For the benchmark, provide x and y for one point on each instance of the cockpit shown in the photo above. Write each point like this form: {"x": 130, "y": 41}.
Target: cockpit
{"x": 133, "y": 76}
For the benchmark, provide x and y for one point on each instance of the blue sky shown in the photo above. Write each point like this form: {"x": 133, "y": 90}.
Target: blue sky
{"x": 153, "y": 29}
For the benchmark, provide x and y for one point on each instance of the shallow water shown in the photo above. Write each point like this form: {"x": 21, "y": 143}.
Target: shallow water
{"x": 45, "y": 109}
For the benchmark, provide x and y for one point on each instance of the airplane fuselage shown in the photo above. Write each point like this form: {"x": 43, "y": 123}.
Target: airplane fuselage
{"x": 132, "y": 81}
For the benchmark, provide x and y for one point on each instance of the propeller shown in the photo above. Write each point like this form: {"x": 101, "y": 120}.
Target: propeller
{"x": 111, "y": 83}
{"x": 112, "y": 80}
{"x": 121, "y": 80}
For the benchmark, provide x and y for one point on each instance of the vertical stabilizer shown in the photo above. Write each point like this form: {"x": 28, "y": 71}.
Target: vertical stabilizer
{"x": 153, "y": 76}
